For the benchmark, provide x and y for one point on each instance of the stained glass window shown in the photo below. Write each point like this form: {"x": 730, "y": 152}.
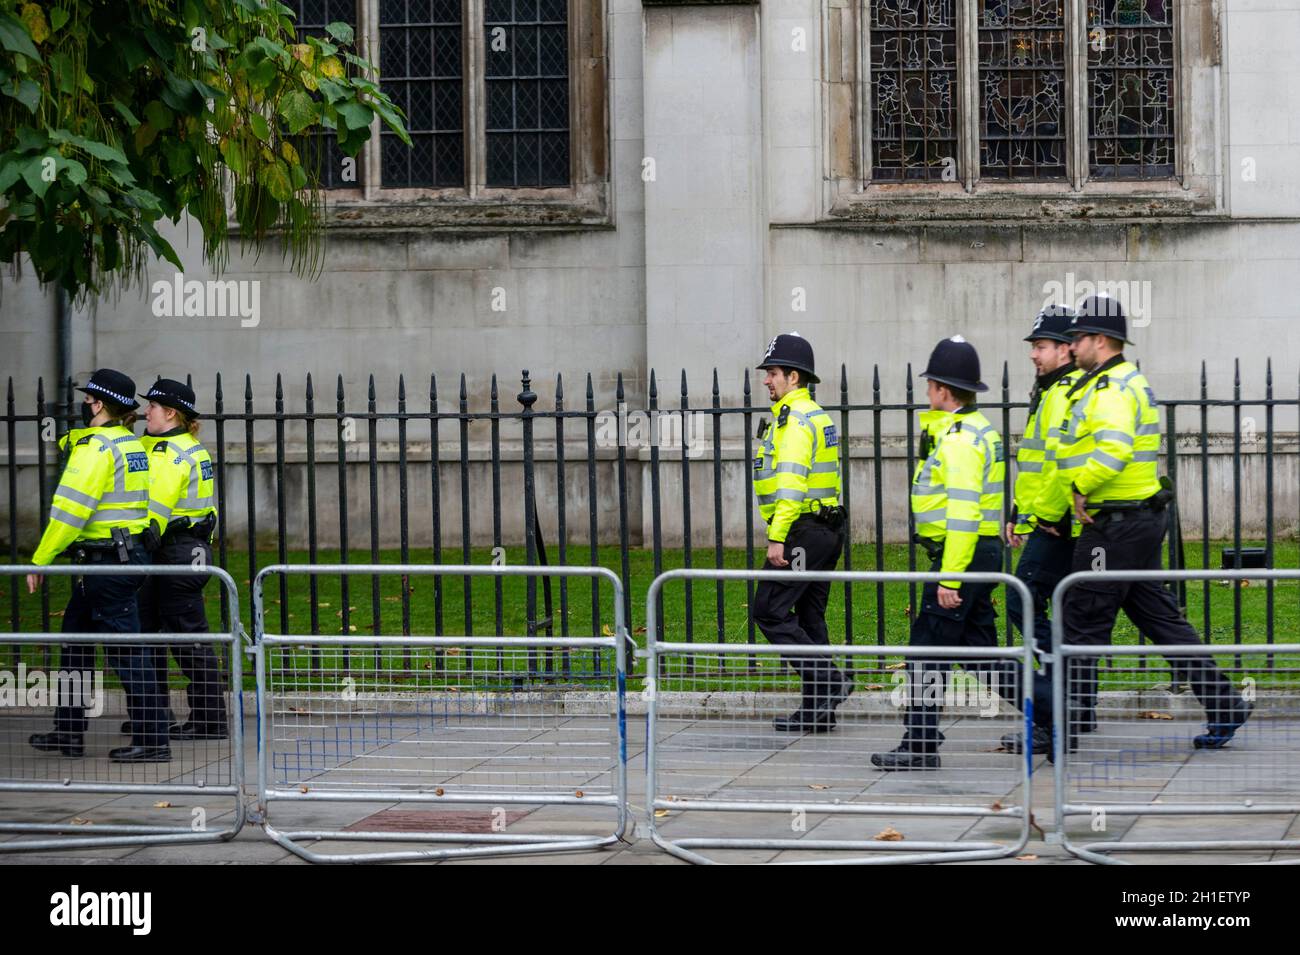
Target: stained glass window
{"x": 1021, "y": 100}
{"x": 1130, "y": 89}
{"x": 913, "y": 90}
{"x": 420, "y": 68}
{"x": 527, "y": 60}
{"x": 321, "y": 151}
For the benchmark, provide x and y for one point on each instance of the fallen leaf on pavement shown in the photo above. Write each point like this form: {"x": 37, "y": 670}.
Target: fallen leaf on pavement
{"x": 1154, "y": 715}
{"x": 163, "y": 804}
{"x": 889, "y": 834}
{"x": 817, "y": 786}
{"x": 1029, "y": 857}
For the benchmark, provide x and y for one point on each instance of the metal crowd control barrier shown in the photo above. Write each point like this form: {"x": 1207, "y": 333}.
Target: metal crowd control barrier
{"x": 1134, "y": 754}
{"x": 712, "y": 748}
{"x": 210, "y": 770}
{"x": 443, "y": 720}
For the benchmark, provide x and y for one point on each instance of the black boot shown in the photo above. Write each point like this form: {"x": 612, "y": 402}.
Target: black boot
{"x": 903, "y": 758}
{"x": 1218, "y": 734}
{"x": 67, "y": 744}
{"x": 1042, "y": 741}
{"x": 805, "y": 720}
{"x": 140, "y": 754}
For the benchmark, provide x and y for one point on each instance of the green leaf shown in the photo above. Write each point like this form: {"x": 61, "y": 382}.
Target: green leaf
{"x": 64, "y": 72}
{"x": 276, "y": 179}
{"x": 263, "y": 74}
{"x": 34, "y": 174}
{"x": 158, "y": 115}
{"x": 298, "y": 110}
{"x": 15, "y": 38}
{"x": 273, "y": 50}
{"x": 356, "y": 115}
{"x": 28, "y": 93}
{"x": 125, "y": 112}
{"x": 259, "y": 126}
{"x": 11, "y": 167}
{"x": 30, "y": 139}
{"x": 180, "y": 95}
{"x": 333, "y": 91}
{"x": 340, "y": 31}
{"x": 58, "y": 17}
{"x": 98, "y": 150}
{"x": 233, "y": 153}
{"x": 76, "y": 172}
{"x": 145, "y": 134}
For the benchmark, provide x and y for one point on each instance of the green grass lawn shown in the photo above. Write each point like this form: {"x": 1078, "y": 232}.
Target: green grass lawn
{"x": 717, "y": 613}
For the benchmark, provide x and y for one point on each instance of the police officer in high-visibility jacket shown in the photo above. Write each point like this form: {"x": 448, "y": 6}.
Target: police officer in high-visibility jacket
{"x": 182, "y": 505}
{"x": 1107, "y": 464}
{"x": 1048, "y": 549}
{"x": 797, "y": 481}
{"x": 99, "y": 514}
{"x": 957, "y": 508}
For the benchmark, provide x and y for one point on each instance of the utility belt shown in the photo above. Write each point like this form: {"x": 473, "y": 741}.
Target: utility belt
{"x": 834, "y": 516}
{"x": 117, "y": 549}
{"x": 182, "y": 528}
{"x": 934, "y": 548}
{"x": 1116, "y": 511}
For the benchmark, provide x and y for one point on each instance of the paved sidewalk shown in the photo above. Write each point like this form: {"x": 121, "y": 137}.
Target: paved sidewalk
{"x": 720, "y": 758}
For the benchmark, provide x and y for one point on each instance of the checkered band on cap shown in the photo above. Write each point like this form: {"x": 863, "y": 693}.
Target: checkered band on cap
{"x": 155, "y": 393}
{"x": 120, "y": 399}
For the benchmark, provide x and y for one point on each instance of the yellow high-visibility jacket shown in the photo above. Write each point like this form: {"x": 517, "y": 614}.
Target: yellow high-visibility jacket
{"x": 957, "y": 488}
{"x": 181, "y": 479}
{"x": 104, "y": 485}
{"x": 1036, "y": 456}
{"x": 797, "y": 463}
{"x": 1110, "y": 446}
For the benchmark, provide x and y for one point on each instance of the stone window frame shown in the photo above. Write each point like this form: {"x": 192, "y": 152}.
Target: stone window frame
{"x": 850, "y": 195}
{"x": 584, "y": 202}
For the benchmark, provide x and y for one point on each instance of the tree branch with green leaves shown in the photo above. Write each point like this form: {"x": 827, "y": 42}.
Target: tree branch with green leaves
{"x": 116, "y": 115}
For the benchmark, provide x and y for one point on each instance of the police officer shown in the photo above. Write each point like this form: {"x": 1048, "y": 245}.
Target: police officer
{"x": 1047, "y": 548}
{"x": 182, "y": 506}
{"x": 99, "y": 512}
{"x": 1107, "y": 467}
{"x": 957, "y": 508}
{"x": 797, "y": 481}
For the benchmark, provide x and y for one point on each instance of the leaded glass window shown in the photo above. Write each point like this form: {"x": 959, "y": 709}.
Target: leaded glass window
{"x": 1022, "y": 89}
{"x": 527, "y": 70}
{"x": 321, "y": 151}
{"x": 1130, "y": 88}
{"x": 913, "y": 89}
{"x": 420, "y": 68}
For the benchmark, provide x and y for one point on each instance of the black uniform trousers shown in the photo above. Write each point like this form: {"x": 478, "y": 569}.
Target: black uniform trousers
{"x": 1130, "y": 540}
{"x": 1044, "y": 560}
{"x": 108, "y": 604}
{"x": 794, "y": 612}
{"x": 174, "y": 604}
{"x": 972, "y": 624}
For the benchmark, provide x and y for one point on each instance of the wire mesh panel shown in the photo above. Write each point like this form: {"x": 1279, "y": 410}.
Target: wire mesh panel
{"x": 728, "y": 771}
{"x": 421, "y": 65}
{"x": 913, "y": 89}
{"x": 1175, "y": 749}
{"x": 512, "y": 741}
{"x": 97, "y": 729}
{"x": 1022, "y": 89}
{"x": 527, "y": 92}
{"x": 1130, "y": 89}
